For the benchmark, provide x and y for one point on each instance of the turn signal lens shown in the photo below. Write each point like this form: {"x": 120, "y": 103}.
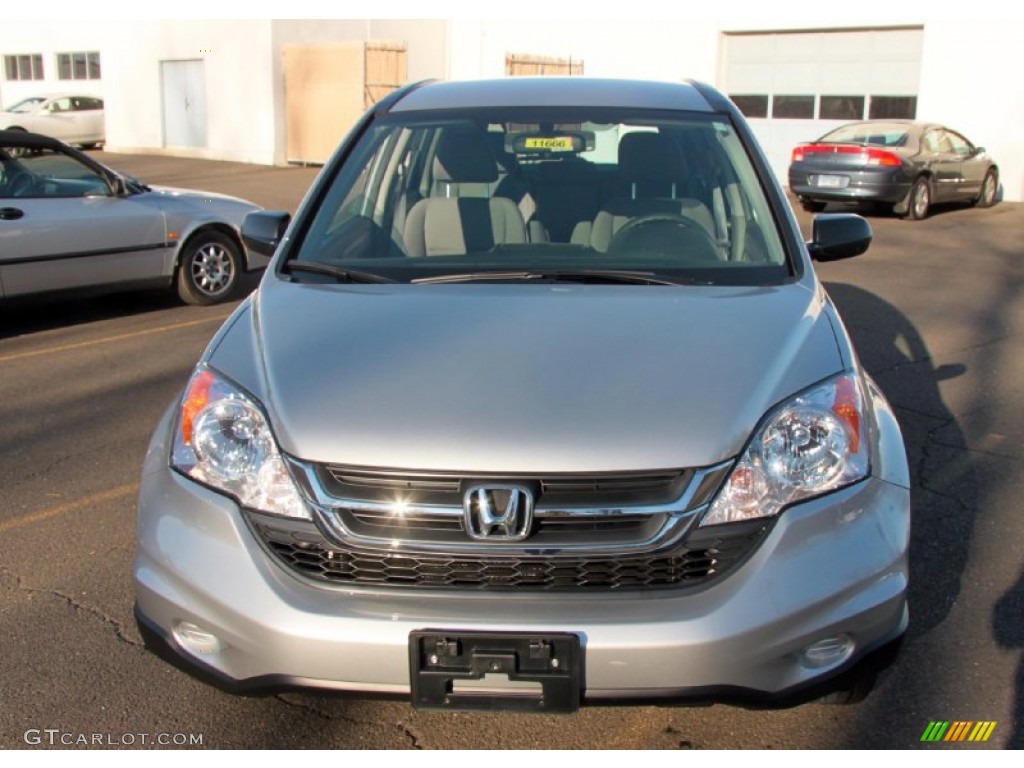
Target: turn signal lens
{"x": 196, "y": 398}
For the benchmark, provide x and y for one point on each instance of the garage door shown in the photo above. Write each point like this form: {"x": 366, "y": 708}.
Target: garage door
{"x": 795, "y": 86}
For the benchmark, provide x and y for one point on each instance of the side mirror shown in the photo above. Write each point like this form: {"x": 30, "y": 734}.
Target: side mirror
{"x": 838, "y": 236}
{"x": 263, "y": 230}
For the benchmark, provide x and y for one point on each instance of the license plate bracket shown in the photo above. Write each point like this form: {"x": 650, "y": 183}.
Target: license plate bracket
{"x": 439, "y": 659}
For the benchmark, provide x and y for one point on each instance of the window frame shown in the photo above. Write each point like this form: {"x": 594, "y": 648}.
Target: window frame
{"x": 794, "y": 97}
{"x": 68, "y": 64}
{"x": 13, "y": 62}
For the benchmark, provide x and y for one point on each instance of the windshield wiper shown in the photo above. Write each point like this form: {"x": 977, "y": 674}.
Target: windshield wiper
{"x": 341, "y": 274}
{"x": 568, "y": 275}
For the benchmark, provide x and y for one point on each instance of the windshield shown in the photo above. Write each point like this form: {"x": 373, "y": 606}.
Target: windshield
{"x": 26, "y": 105}
{"x": 878, "y": 134}
{"x": 533, "y": 193}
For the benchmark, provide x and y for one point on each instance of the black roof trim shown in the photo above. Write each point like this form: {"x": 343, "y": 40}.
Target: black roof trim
{"x": 385, "y": 105}
{"x": 30, "y": 140}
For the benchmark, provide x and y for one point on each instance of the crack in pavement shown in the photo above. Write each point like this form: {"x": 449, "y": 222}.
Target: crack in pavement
{"x": 110, "y": 621}
{"x": 924, "y": 477}
{"x": 291, "y": 702}
{"x": 947, "y": 421}
{"x": 931, "y": 358}
{"x": 414, "y": 736}
{"x": 302, "y": 705}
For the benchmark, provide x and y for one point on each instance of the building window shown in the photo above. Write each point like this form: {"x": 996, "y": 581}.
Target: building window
{"x": 841, "y": 108}
{"x": 798, "y": 107}
{"x": 80, "y": 65}
{"x": 528, "y": 64}
{"x": 893, "y": 107}
{"x": 751, "y": 105}
{"x": 24, "y": 66}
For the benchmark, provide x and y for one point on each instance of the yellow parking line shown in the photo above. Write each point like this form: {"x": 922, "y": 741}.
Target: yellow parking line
{"x": 110, "y": 339}
{"x": 72, "y": 506}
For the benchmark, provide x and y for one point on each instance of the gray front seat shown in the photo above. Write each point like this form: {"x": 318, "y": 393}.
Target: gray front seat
{"x": 455, "y": 224}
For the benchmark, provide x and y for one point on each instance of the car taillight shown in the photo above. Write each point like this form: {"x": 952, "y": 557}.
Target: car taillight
{"x": 881, "y": 157}
{"x": 869, "y": 155}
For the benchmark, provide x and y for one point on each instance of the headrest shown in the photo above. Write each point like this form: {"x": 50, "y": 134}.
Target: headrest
{"x": 648, "y": 157}
{"x": 507, "y": 161}
{"x": 463, "y": 157}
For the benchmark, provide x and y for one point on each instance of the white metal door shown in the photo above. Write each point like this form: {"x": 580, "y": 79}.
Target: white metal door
{"x": 184, "y": 84}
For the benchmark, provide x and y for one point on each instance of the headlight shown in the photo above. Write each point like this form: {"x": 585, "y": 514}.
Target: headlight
{"x": 223, "y": 440}
{"x": 810, "y": 445}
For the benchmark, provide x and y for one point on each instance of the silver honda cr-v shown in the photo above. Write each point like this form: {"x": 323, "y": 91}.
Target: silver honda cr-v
{"x": 539, "y": 403}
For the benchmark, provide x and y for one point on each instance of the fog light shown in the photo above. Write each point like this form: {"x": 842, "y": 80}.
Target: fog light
{"x": 828, "y": 652}
{"x": 196, "y": 640}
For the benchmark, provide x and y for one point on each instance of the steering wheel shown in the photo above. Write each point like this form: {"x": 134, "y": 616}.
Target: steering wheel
{"x": 668, "y": 235}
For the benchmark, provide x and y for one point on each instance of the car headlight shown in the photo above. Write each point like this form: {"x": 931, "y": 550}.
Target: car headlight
{"x": 222, "y": 440}
{"x": 812, "y": 444}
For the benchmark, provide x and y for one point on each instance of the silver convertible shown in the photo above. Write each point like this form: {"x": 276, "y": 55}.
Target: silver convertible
{"x": 540, "y": 403}
{"x": 66, "y": 221}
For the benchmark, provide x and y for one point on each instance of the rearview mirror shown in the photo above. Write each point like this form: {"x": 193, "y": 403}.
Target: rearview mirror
{"x": 838, "y": 236}
{"x": 263, "y": 230}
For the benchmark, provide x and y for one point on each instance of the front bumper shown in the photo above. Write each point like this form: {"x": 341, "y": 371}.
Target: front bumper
{"x": 833, "y": 566}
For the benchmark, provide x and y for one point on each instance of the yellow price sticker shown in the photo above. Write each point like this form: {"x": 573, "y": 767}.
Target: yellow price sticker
{"x": 554, "y": 143}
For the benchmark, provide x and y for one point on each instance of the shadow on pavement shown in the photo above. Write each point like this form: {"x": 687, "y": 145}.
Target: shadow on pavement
{"x": 944, "y": 500}
{"x": 31, "y": 314}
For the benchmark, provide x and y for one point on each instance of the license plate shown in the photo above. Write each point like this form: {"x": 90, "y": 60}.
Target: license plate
{"x": 831, "y": 182}
{"x": 495, "y": 670}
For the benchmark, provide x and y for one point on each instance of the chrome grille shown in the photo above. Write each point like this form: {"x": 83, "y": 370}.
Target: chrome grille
{"x": 446, "y": 487}
{"x": 422, "y": 512}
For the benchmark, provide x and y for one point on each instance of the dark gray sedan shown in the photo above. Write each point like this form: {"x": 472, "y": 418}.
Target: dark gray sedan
{"x": 899, "y": 162}
{"x": 66, "y": 221}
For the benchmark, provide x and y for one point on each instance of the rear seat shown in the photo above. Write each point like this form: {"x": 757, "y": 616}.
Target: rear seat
{"x": 568, "y": 192}
{"x": 513, "y": 185}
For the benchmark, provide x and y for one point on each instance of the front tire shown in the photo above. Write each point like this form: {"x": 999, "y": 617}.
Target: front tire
{"x": 989, "y": 188}
{"x": 210, "y": 269}
{"x": 920, "y": 199}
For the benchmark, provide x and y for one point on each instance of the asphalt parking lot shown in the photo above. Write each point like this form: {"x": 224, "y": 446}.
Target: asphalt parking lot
{"x": 936, "y": 309}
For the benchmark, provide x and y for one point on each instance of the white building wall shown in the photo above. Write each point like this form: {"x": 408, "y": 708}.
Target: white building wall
{"x": 670, "y": 50}
{"x": 970, "y": 80}
{"x": 49, "y": 39}
{"x": 238, "y": 64}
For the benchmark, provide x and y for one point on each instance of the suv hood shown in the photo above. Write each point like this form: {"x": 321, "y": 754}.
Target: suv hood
{"x": 517, "y": 378}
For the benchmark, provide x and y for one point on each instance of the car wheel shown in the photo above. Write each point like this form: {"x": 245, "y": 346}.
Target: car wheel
{"x": 989, "y": 187}
{"x": 209, "y": 269}
{"x": 812, "y": 206}
{"x": 920, "y": 199}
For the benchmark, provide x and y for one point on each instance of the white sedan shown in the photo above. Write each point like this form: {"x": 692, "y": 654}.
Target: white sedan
{"x": 67, "y": 221}
{"x": 74, "y": 119}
